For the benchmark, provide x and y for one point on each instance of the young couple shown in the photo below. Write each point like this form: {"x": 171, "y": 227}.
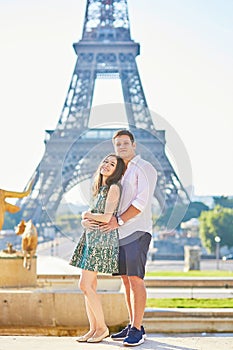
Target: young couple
{"x": 117, "y": 237}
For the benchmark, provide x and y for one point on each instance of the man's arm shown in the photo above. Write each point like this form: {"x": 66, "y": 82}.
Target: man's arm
{"x": 130, "y": 213}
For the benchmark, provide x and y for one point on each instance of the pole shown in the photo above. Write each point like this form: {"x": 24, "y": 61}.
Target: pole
{"x": 217, "y": 241}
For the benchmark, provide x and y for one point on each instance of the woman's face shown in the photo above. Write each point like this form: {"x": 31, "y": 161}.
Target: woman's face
{"x": 108, "y": 166}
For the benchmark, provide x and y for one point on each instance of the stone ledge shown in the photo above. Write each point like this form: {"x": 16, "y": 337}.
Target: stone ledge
{"x": 44, "y": 308}
{"x": 58, "y": 331}
{"x": 104, "y": 282}
{"x": 43, "y": 331}
{"x": 150, "y": 282}
{"x": 74, "y": 276}
{"x": 13, "y": 274}
{"x": 205, "y": 282}
{"x": 152, "y": 325}
{"x": 190, "y": 312}
{"x": 188, "y": 320}
{"x": 188, "y": 324}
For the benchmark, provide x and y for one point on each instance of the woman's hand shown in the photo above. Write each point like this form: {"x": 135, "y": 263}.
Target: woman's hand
{"x": 86, "y": 215}
{"x": 90, "y": 224}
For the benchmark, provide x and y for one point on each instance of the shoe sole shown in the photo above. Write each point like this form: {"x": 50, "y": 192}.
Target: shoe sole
{"x": 100, "y": 338}
{"x": 139, "y": 343}
{"x": 120, "y": 339}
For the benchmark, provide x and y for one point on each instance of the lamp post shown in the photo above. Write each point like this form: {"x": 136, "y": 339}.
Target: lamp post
{"x": 217, "y": 241}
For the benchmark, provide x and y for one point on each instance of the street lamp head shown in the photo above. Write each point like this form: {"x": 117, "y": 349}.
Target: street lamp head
{"x": 217, "y": 239}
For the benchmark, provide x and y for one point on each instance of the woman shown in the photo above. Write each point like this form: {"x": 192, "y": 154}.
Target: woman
{"x": 98, "y": 251}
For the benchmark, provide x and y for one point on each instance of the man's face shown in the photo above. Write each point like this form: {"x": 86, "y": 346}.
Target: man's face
{"x": 124, "y": 147}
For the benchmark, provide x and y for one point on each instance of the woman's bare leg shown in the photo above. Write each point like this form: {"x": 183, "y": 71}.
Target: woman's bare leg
{"x": 88, "y": 284}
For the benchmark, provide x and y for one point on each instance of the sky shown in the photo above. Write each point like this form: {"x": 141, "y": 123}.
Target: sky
{"x": 185, "y": 65}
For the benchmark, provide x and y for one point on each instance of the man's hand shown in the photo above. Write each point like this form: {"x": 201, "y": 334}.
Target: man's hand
{"x": 111, "y": 225}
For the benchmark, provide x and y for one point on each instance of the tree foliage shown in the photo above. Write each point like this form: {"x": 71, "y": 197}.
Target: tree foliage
{"x": 194, "y": 210}
{"x": 173, "y": 217}
{"x": 223, "y": 201}
{"x": 216, "y": 222}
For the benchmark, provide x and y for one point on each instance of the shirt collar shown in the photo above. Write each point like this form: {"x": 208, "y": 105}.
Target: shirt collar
{"x": 135, "y": 159}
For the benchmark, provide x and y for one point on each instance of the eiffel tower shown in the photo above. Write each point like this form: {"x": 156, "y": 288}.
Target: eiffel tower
{"x": 73, "y": 150}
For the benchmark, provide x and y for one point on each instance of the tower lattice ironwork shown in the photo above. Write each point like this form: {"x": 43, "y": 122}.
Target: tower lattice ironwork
{"x": 72, "y": 149}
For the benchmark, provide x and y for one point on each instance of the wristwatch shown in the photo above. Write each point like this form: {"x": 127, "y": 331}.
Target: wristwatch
{"x": 120, "y": 221}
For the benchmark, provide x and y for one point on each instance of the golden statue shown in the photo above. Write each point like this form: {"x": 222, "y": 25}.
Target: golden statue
{"x": 11, "y": 208}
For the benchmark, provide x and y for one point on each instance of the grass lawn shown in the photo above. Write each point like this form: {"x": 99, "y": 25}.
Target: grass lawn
{"x": 189, "y": 303}
{"x": 193, "y": 273}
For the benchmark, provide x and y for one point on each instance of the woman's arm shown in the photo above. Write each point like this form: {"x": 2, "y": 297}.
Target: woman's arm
{"x": 110, "y": 206}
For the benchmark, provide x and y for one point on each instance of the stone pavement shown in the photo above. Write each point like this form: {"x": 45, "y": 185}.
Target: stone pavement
{"x": 153, "y": 341}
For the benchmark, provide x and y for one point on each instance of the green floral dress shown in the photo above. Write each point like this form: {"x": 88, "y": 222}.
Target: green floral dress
{"x": 96, "y": 250}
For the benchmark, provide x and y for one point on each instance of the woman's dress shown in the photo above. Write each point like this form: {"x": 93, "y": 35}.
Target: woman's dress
{"x": 96, "y": 250}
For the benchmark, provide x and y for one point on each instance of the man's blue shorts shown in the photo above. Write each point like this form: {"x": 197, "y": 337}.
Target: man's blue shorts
{"x": 133, "y": 254}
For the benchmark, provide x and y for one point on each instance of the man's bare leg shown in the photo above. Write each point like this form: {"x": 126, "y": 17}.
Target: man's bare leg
{"x": 138, "y": 300}
{"x": 126, "y": 282}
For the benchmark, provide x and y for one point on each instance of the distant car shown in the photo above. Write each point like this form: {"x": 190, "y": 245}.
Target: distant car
{"x": 227, "y": 257}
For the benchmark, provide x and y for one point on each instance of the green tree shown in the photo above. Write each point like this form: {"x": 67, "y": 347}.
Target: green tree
{"x": 223, "y": 201}
{"x": 173, "y": 217}
{"x": 194, "y": 210}
{"x": 216, "y": 222}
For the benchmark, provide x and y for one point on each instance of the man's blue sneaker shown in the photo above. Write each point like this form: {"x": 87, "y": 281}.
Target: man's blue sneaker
{"x": 134, "y": 337}
{"x": 122, "y": 334}
{"x": 143, "y": 332}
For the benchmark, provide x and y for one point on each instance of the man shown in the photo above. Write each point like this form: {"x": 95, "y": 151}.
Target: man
{"x": 134, "y": 223}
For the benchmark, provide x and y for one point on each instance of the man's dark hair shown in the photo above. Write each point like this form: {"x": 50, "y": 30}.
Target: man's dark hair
{"x": 124, "y": 132}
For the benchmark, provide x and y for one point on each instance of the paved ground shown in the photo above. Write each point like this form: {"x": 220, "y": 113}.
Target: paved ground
{"x": 154, "y": 341}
